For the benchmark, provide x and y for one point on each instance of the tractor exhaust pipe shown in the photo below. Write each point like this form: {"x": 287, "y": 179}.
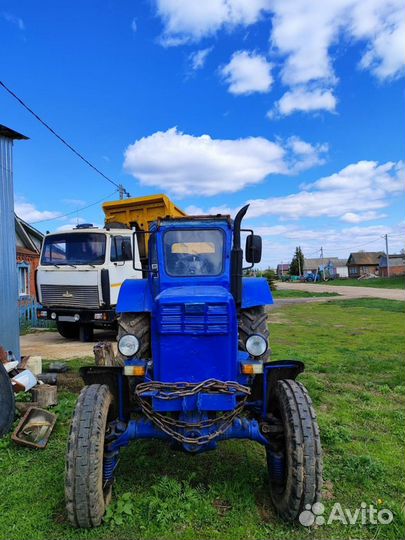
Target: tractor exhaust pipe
{"x": 237, "y": 258}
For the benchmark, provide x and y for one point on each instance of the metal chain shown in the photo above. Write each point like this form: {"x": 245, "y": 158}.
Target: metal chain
{"x": 169, "y": 391}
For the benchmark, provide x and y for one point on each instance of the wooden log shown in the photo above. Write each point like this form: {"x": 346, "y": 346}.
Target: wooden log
{"x": 104, "y": 354}
{"x": 45, "y": 395}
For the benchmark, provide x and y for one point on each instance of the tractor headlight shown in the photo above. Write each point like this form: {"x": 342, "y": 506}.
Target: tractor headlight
{"x": 256, "y": 345}
{"x": 128, "y": 345}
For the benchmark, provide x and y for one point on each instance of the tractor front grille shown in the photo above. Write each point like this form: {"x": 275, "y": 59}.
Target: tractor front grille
{"x": 85, "y": 296}
{"x": 194, "y": 318}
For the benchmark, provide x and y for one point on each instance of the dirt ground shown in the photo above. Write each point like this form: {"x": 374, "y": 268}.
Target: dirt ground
{"x": 50, "y": 345}
{"x": 344, "y": 291}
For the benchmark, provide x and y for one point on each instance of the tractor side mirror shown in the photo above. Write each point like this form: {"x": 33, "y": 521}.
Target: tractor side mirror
{"x": 253, "y": 249}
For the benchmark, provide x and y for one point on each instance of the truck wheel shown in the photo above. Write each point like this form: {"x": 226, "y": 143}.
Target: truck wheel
{"x": 68, "y": 330}
{"x": 294, "y": 457}
{"x": 7, "y": 403}
{"x": 253, "y": 321}
{"x": 86, "y": 496}
{"x": 137, "y": 324}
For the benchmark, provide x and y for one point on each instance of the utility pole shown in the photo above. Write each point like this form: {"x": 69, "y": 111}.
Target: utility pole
{"x": 121, "y": 191}
{"x": 387, "y": 253}
{"x": 323, "y": 269}
{"x": 299, "y": 265}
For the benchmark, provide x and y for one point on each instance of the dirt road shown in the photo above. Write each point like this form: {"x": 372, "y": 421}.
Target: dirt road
{"x": 345, "y": 291}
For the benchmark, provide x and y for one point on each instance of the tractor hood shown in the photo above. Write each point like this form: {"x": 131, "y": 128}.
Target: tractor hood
{"x": 195, "y": 334}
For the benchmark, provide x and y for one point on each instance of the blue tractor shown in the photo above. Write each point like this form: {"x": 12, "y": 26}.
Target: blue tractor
{"x": 194, "y": 369}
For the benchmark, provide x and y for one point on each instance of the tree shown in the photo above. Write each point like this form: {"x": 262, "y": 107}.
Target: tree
{"x": 271, "y": 277}
{"x": 297, "y": 263}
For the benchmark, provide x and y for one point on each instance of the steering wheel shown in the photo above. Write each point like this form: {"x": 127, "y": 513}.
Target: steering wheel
{"x": 191, "y": 265}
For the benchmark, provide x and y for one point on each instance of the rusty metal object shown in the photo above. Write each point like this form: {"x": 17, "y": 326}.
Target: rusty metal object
{"x": 34, "y": 428}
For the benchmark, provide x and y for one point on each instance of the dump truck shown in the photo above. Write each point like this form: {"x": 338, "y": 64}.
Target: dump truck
{"x": 81, "y": 270}
{"x": 194, "y": 369}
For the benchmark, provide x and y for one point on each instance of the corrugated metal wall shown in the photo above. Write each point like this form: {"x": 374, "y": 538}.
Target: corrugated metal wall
{"x": 9, "y": 322}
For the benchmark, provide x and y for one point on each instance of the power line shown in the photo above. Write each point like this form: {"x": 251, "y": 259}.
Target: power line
{"x": 74, "y": 211}
{"x": 120, "y": 187}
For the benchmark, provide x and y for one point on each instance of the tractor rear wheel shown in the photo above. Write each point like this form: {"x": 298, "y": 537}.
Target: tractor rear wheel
{"x": 137, "y": 324}
{"x": 86, "y": 495}
{"x": 253, "y": 321}
{"x": 294, "y": 457}
{"x": 7, "y": 404}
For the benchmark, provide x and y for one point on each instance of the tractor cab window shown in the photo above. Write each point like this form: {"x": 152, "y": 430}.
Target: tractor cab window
{"x": 194, "y": 252}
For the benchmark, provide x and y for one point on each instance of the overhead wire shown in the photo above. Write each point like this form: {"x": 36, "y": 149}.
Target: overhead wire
{"x": 74, "y": 211}
{"x": 61, "y": 139}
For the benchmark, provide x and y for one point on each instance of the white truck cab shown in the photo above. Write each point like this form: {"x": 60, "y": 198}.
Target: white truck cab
{"x": 80, "y": 275}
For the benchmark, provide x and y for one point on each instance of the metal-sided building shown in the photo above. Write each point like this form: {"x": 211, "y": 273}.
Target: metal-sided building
{"x": 9, "y": 320}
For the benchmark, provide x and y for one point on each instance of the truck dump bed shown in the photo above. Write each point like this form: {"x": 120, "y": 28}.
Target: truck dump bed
{"x": 141, "y": 212}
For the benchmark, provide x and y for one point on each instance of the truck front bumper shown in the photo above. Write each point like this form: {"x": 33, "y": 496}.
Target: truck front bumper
{"x": 99, "y": 317}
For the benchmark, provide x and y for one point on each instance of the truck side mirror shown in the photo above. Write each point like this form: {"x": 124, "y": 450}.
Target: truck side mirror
{"x": 253, "y": 249}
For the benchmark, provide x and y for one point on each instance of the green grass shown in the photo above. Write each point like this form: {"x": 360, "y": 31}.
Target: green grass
{"x": 397, "y": 282}
{"x": 301, "y": 294}
{"x": 354, "y": 356}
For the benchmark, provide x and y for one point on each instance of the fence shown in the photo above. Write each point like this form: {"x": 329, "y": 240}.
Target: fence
{"x": 28, "y": 315}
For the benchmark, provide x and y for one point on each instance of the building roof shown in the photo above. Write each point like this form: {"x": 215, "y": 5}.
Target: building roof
{"x": 339, "y": 262}
{"x": 29, "y": 235}
{"x": 395, "y": 260}
{"x": 365, "y": 257}
{"x": 316, "y": 263}
{"x": 10, "y": 133}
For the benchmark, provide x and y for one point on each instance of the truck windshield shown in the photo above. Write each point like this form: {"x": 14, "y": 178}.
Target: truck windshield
{"x": 74, "y": 249}
{"x": 194, "y": 252}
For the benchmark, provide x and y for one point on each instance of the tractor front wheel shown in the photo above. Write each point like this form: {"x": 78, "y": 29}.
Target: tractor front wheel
{"x": 294, "y": 457}
{"x": 86, "y": 495}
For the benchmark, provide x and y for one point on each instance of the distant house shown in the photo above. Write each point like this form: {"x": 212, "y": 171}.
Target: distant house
{"x": 313, "y": 265}
{"x": 397, "y": 265}
{"x": 341, "y": 268}
{"x": 28, "y": 247}
{"x": 282, "y": 269}
{"x": 364, "y": 262}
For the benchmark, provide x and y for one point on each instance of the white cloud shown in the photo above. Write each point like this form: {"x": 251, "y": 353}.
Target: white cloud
{"x": 134, "y": 25}
{"x": 247, "y": 72}
{"x": 354, "y": 193}
{"x": 302, "y": 34}
{"x": 13, "y": 19}
{"x": 29, "y": 213}
{"x": 185, "y": 164}
{"x": 185, "y": 20}
{"x": 302, "y": 99}
{"x": 359, "y": 217}
{"x": 198, "y": 58}
{"x": 279, "y": 245}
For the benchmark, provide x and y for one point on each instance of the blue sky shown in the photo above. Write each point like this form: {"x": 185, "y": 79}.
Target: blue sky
{"x": 297, "y": 107}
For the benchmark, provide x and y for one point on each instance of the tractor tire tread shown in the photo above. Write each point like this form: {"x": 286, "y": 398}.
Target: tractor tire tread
{"x": 304, "y": 447}
{"x": 253, "y": 321}
{"x": 85, "y": 501}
